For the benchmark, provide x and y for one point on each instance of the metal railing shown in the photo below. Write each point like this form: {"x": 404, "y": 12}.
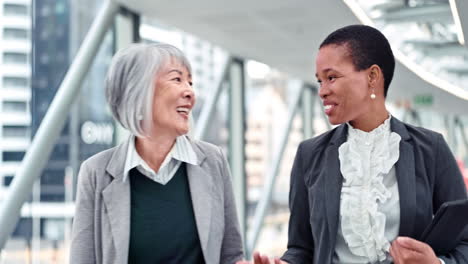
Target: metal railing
{"x": 41, "y": 147}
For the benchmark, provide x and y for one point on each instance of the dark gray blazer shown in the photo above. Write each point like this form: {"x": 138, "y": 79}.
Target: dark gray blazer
{"x": 101, "y": 226}
{"x": 427, "y": 176}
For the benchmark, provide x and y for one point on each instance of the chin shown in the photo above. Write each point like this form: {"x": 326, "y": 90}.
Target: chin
{"x": 337, "y": 119}
{"x": 335, "y": 122}
{"x": 182, "y": 131}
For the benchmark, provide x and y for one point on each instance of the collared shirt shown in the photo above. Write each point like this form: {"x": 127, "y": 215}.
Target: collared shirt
{"x": 182, "y": 151}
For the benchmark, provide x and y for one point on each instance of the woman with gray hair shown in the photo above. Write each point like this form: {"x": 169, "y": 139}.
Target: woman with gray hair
{"x": 160, "y": 196}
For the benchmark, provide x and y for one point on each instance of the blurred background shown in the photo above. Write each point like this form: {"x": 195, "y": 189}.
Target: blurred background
{"x": 254, "y": 77}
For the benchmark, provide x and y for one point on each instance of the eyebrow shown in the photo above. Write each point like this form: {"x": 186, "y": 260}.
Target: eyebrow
{"x": 179, "y": 72}
{"x": 324, "y": 71}
{"x": 175, "y": 70}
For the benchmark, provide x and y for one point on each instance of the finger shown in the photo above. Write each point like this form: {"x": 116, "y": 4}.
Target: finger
{"x": 395, "y": 253}
{"x": 410, "y": 253}
{"x": 412, "y": 244}
{"x": 277, "y": 261}
{"x": 265, "y": 260}
{"x": 257, "y": 258}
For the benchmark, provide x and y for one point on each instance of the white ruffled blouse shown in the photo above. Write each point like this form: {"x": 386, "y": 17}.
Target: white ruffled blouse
{"x": 369, "y": 208}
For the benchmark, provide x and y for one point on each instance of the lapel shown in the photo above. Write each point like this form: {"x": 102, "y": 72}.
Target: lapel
{"x": 333, "y": 181}
{"x": 406, "y": 178}
{"x": 201, "y": 189}
{"x": 116, "y": 198}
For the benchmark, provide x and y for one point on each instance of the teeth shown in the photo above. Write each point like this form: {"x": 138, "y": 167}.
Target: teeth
{"x": 183, "y": 109}
{"x": 327, "y": 107}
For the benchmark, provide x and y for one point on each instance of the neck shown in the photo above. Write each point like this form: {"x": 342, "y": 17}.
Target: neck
{"x": 373, "y": 118}
{"x": 154, "y": 150}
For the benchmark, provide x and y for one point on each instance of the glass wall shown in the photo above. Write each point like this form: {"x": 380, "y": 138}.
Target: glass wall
{"x": 39, "y": 60}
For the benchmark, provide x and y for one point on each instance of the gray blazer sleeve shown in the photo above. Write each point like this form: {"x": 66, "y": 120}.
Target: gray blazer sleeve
{"x": 449, "y": 186}
{"x": 231, "y": 249}
{"x": 82, "y": 249}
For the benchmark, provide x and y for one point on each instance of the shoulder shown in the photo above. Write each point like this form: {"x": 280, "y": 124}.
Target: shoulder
{"x": 208, "y": 149}
{"x": 421, "y": 132}
{"x": 99, "y": 160}
{"x": 423, "y": 137}
{"x": 318, "y": 143}
{"x": 96, "y": 170}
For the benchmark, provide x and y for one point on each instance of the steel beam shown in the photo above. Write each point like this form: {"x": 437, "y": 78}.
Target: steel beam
{"x": 39, "y": 152}
{"x": 210, "y": 105}
{"x": 272, "y": 173}
{"x": 237, "y": 138}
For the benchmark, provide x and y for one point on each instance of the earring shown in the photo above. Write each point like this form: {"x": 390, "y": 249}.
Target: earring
{"x": 372, "y": 96}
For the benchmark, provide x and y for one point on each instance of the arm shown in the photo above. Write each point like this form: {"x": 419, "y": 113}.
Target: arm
{"x": 449, "y": 185}
{"x": 231, "y": 249}
{"x": 82, "y": 249}
{"x": 300, "y": 242}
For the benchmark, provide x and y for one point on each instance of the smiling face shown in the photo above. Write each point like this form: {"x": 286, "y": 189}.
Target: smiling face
{"x": 173, "y": 100}
{"x": 344, "y": 91}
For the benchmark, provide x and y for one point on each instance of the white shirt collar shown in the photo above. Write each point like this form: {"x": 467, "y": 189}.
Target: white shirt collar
{"x": 182, "y": 151}
{"x": 362, "y": 136}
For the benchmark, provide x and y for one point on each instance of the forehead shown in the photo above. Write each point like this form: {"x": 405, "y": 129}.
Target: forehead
{"x": 172, "y": 63}
{"x": 333, "y": 57}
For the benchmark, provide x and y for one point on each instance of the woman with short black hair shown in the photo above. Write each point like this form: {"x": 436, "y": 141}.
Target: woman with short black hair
{"x": 364, "y": 191}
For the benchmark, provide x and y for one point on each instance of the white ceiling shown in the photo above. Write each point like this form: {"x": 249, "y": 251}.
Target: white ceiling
{"x": 283, "y": 34}
{"x": 462, "y": 8}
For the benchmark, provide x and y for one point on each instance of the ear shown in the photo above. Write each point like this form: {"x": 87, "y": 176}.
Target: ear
{"x": 375, "y": 76}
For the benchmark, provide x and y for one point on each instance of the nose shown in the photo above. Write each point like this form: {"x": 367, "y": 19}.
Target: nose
{"x": 324, "y": 91}
{"x": 188, "y": 93}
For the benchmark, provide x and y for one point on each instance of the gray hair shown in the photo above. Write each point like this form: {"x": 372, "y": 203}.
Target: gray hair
{"x": 131, "y": 80}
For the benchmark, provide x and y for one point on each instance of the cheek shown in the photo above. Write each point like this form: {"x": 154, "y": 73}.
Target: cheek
{"x": 358, "y": 90}
{"x": 354, "y": 99}
{"x": 161, "y": 102}
{"x": 194, "y": 99}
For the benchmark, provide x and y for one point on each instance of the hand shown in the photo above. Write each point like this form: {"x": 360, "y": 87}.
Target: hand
{"x": 405, "y": 250}
{"x": 259, "y": 259}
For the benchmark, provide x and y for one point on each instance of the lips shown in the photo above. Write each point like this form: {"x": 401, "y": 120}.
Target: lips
{"x": 329, "y": 107}
{"x": 183, "y": 110}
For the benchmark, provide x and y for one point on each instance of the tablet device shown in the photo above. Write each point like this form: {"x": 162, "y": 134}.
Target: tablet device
{"x": 447, "y": 227}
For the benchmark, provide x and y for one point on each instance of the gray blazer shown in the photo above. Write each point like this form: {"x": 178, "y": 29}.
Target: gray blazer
{"x": 427, "y": 176}
{"x": 101, "y": 226}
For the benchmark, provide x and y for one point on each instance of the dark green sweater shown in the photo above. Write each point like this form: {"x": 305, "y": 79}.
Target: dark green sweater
{"x": 162, "y": 222}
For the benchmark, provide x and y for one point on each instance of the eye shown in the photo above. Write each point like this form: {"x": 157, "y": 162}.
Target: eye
{"x": 331, "y": 78}
{"x": 319, "y": 82}
{"x": 177, "y": 79}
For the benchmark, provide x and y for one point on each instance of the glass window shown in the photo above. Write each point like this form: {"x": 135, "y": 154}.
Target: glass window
{"x": 13, "y": 155}
{"x": 7, "y": 180}
{"x": 53, "y": 177}
{"x": 16, "y": 131}
{"x": 20, "y": 107}
{"x": 15, "y": 82}
{"x": 15, "y": 33}
{"x": 15, "y": 58}
{"x": 15, "y": 10}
